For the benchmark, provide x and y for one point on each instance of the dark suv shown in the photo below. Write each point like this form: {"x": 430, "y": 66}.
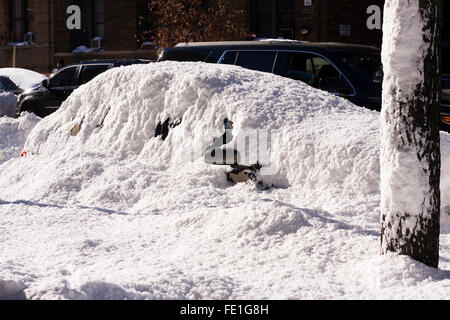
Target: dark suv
{"x": 351, "y": 71}
{"x": 354, "y": 72}
{"x": 47, "y": 98}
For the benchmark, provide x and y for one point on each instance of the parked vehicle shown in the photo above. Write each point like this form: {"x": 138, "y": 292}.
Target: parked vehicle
{"x": 17, "y": 80}
{"x": 354, "y": 72}
{"x": 48, "y": 97}
{"x": 350, "y": 71}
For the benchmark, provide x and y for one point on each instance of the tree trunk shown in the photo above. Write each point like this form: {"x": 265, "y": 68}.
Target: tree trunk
{"x": 410, "y": 117}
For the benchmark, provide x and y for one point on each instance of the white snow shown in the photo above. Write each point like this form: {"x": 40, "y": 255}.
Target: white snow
{"x": 8, "y": 103}
{"x": 82, "y": 49}
{"x": 13, "y": 133}
{"x": 23, "y": 78}
{"x": 112, "y": 212}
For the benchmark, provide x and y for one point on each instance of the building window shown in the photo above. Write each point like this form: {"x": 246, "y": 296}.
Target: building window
{"x": 21, "y": 19}
{"x": 286, "y": 19}
{"x": 274, "y": 18}
{"x": 145, "y": 24}
{"x": 92, "y": 23}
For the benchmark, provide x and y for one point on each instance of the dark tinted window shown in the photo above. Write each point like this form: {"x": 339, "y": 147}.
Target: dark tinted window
{"x": 446, "y": 83}
{"x": 213, "y": 57}
{"x": 64, "y": 78}
{"x": 256, "y": 60}
{"x": 90, "y": 72}
{"x": 229, "y": 57}
{"x": 367, "y": 64}
{"x": 297, "y": 66}
{"x": 6, "y": 84}
{"x": 313, "y": 70}
{"x": 190, "y": 55}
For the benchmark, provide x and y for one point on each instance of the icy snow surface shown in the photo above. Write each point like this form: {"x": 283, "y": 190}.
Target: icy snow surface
{"x": 102, "y": 209}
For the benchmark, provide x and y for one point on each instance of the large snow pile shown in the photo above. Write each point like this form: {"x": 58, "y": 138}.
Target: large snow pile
{"x": 102, "y": 209}
{"x": 23, "y": 78}
{"x": 120, "y": 124}
{"x": 8, "y": 103}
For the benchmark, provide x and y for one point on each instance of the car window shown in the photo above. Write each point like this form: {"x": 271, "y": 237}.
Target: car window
{"x": 90, "y": 72}
{"x": 188, "y": 55}
{"x": 64, "y": 78}
{"x": 368, "y": 64}
{"x": 229, "y": 57}
{"x": 297, "y": 66}
{"x": 313, "y": 70}
{"x": 256, "y": 60}
{"x": 212, "y": 57}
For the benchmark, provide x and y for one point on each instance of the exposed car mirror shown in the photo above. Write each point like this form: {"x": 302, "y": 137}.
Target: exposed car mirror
{"x": 45, "y": 83}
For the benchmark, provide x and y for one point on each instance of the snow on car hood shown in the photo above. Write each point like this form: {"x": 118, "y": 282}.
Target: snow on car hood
{"x": 23, "y": 78}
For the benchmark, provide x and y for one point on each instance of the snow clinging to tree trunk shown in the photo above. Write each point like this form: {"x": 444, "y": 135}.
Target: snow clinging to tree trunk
{"x": 410, "y": 164}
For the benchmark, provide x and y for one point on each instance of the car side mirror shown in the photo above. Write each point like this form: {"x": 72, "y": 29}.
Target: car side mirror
{"x": 45, "y": 83}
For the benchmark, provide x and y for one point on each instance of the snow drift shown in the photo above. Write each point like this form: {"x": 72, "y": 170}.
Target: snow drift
{"x": 13, "y": 134}
{"x": 8, "y": 103}
{"x": 98, "y": 191}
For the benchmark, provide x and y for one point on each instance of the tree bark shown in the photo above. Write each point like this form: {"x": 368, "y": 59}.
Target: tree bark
{"x": 410, "y": 141}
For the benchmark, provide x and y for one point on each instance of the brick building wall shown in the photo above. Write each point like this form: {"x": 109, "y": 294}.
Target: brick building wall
{"x": 39, "y": 56}
{"x": 3, "y": 23}
{"x": 53, "y": 39}
{"x": 322, "y": 21}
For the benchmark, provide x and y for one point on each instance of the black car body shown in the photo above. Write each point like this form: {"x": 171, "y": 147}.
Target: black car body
{"x": 48, "y": 97}
{"x": 354, "y": 72}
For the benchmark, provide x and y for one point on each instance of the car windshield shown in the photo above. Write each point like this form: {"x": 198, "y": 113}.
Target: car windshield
{"x": 367, "y": 64}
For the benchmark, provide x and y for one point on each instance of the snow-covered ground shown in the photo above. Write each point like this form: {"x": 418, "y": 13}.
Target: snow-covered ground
{"x": 8, "y": 103}
{"x": 101, "y": 209}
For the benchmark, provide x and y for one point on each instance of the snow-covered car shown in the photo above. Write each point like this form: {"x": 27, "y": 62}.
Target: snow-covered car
{"x": 18, "y": 80}
{"x": 13, "y": 82}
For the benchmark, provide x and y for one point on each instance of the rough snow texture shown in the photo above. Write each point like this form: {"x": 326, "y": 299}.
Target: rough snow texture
{"x": 8, "y": 103}
{"x": 112, "y": 212}
{"x": 13, "y": 133}
{"x": 405, "y": 179}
